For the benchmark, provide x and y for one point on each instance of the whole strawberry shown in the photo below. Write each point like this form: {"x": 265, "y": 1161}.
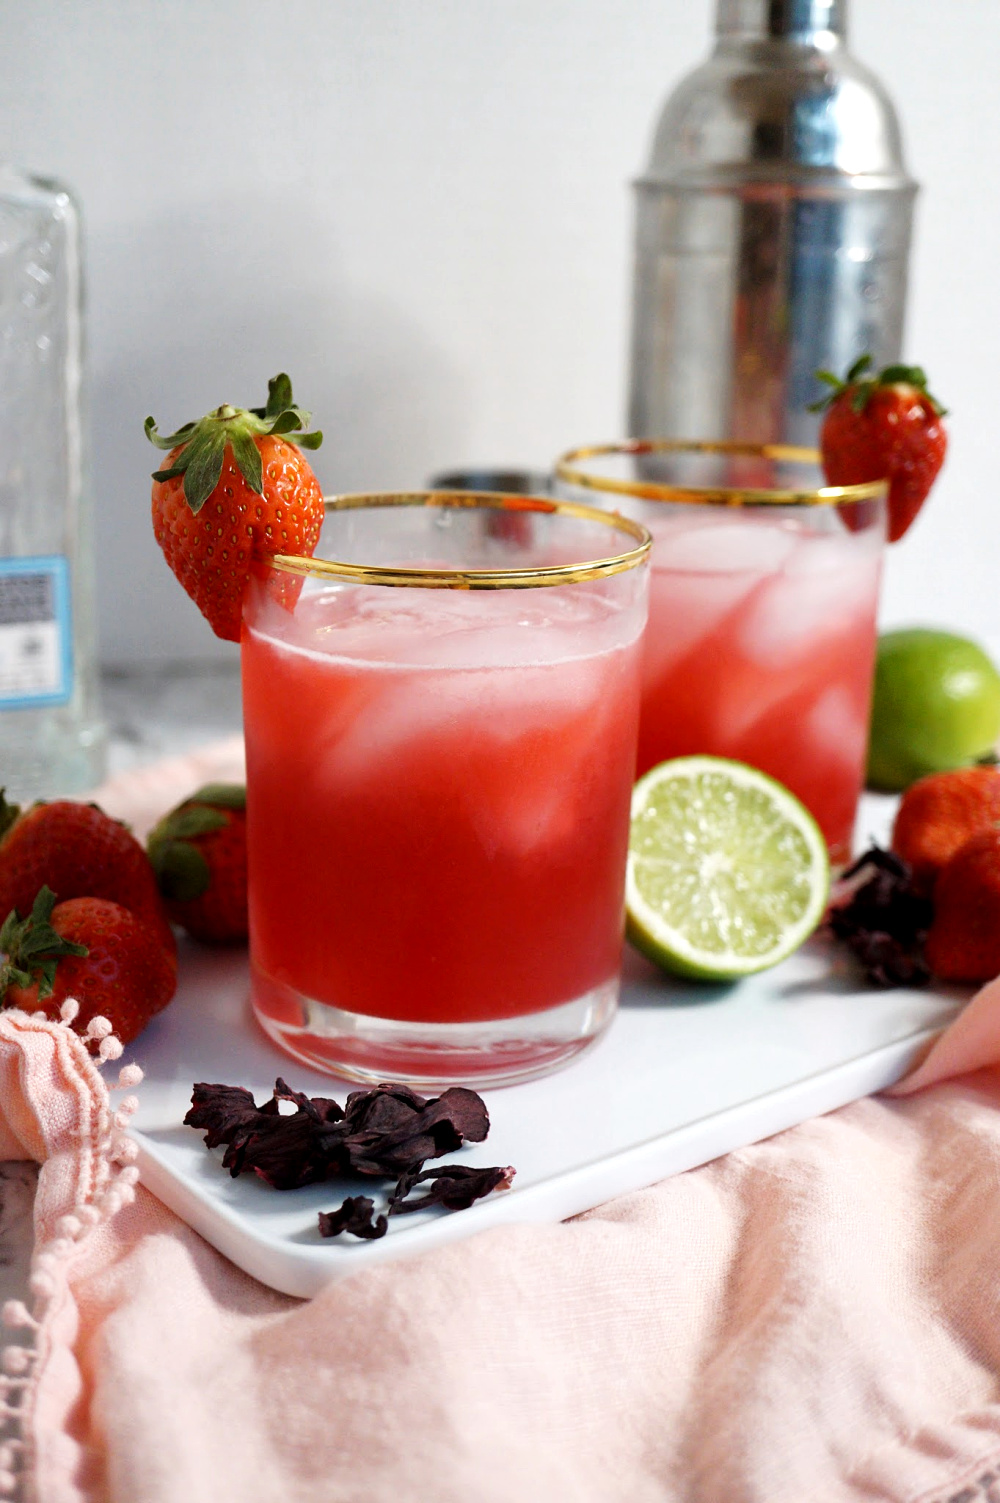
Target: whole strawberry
{"x": 939, "y": 813}
{"x": 884, "y": 427}
{"x": 964, "y": 940}
{"x": 236, "y": 487}
{"x": 102, "y": 954}
{"x": 199, "y": 854}
{"x": 79, "y": 852}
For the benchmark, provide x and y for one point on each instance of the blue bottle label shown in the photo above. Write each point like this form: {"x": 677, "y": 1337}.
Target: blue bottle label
{"x": 36, "y": 640}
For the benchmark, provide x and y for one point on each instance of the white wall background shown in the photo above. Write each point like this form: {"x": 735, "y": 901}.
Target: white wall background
{"x": 420, "y": 208}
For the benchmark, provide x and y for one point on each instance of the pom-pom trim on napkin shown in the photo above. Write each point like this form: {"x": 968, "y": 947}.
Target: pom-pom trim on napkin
{"x": 110, "y": 1177}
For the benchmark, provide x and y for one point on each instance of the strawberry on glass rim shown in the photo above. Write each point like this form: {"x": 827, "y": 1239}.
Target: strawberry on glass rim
{"x": 883, "y": 427}
{"x": 236, "y": 487}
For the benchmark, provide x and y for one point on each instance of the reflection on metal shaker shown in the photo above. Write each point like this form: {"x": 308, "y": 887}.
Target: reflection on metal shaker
{"x": 773, "y": 230}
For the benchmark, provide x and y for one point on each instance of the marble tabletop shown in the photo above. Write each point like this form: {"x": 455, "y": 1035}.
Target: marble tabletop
{"x": 165, "y": 710}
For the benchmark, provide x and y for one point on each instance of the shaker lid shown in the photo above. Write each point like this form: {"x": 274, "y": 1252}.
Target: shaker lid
{"x": 781, "y": 18}
{"x": 781, "y": 99}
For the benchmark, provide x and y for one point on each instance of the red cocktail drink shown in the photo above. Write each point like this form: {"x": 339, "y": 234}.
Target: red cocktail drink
{"x": 438, "y": 802}
{"x": 762, "y": 622}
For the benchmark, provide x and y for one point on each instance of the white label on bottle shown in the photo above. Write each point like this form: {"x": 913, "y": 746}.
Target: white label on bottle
{"x": 36, "y": 642}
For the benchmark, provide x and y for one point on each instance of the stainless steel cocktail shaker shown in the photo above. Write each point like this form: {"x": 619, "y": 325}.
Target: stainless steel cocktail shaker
{"x": 773, "y": 230}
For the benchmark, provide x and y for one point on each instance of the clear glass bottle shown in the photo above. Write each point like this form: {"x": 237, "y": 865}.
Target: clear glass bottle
{"x": 773, "y": 230}
{"x": 52, "y": 740}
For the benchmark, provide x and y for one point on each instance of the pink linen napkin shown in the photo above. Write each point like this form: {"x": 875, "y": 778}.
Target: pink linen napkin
{"x": 971, "y": 1042}
{"x": 811, "y": 1318}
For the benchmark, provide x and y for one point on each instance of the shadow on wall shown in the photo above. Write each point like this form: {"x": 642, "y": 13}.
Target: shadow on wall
{"x": 203, "y": 308}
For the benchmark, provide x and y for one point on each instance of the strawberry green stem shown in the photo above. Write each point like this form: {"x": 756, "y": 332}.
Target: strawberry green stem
{"x": 32, "y": 948}
{"x": 861, "y": 390}
{"x": 9, "y": 813}
{"x": 202, "y": 445}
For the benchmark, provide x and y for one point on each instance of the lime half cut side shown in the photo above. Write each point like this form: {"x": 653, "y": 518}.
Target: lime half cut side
{"x": 728, "y": 872}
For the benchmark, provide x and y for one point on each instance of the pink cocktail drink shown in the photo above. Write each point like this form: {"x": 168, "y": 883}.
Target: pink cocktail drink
{"x": 760, "y": 647}
{"x": 440, "y": 834}
{"x": 438, "y": 808}
{"x": 762, "y": 611}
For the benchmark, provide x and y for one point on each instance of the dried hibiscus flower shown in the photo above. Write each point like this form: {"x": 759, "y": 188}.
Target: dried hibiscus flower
{"x": 354, "y": 1216}
{"x": 454, "y": 1186}
{"x": 387, "y": 1132}
{"x": 381, "y": 1132}
{"x": 878, "y": 912}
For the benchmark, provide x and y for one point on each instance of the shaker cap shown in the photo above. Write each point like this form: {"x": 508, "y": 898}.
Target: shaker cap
{"x": 781, "y": 18}
{"x": 780, "y": 100}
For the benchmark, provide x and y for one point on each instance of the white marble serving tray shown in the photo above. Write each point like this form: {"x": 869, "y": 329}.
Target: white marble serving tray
{"x": 684, "y": 1074}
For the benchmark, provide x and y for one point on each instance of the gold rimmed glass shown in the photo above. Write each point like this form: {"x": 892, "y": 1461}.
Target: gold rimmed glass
{"x": 708, "y": 472}
{"x": 763, "y": 600}
{"x": 441, "y": 710}
{"x": 510, "y": 528}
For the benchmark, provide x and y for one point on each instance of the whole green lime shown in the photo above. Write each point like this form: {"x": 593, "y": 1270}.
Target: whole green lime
{"x": 935, "y": 706}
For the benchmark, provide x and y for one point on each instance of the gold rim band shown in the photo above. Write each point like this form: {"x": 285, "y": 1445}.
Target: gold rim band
{"x": 475, "y": 579}
{"x": 568, "y": 469}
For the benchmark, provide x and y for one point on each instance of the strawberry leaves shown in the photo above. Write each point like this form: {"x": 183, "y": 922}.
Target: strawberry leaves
{"x": 221, "y": 795}
{"x": 202, "y": 445}
{"x": 247, "y": 456}
{"x": 32, "y": 948}
{"x": 182, "y": 872}
{"x": 9, "y": 813}
{"x": 829, "y": 378}
{"x": 199, "y": 856}
{"x": 860, "y": 387}
{"x": 283, "y": 416}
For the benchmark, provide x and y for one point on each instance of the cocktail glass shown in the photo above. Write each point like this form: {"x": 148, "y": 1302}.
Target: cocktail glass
{"x": 763, "y": 596}
{"x": 441, "y": 712}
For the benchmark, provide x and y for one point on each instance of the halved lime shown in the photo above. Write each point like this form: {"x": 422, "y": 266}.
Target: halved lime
{"x": 727, "y": 871}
